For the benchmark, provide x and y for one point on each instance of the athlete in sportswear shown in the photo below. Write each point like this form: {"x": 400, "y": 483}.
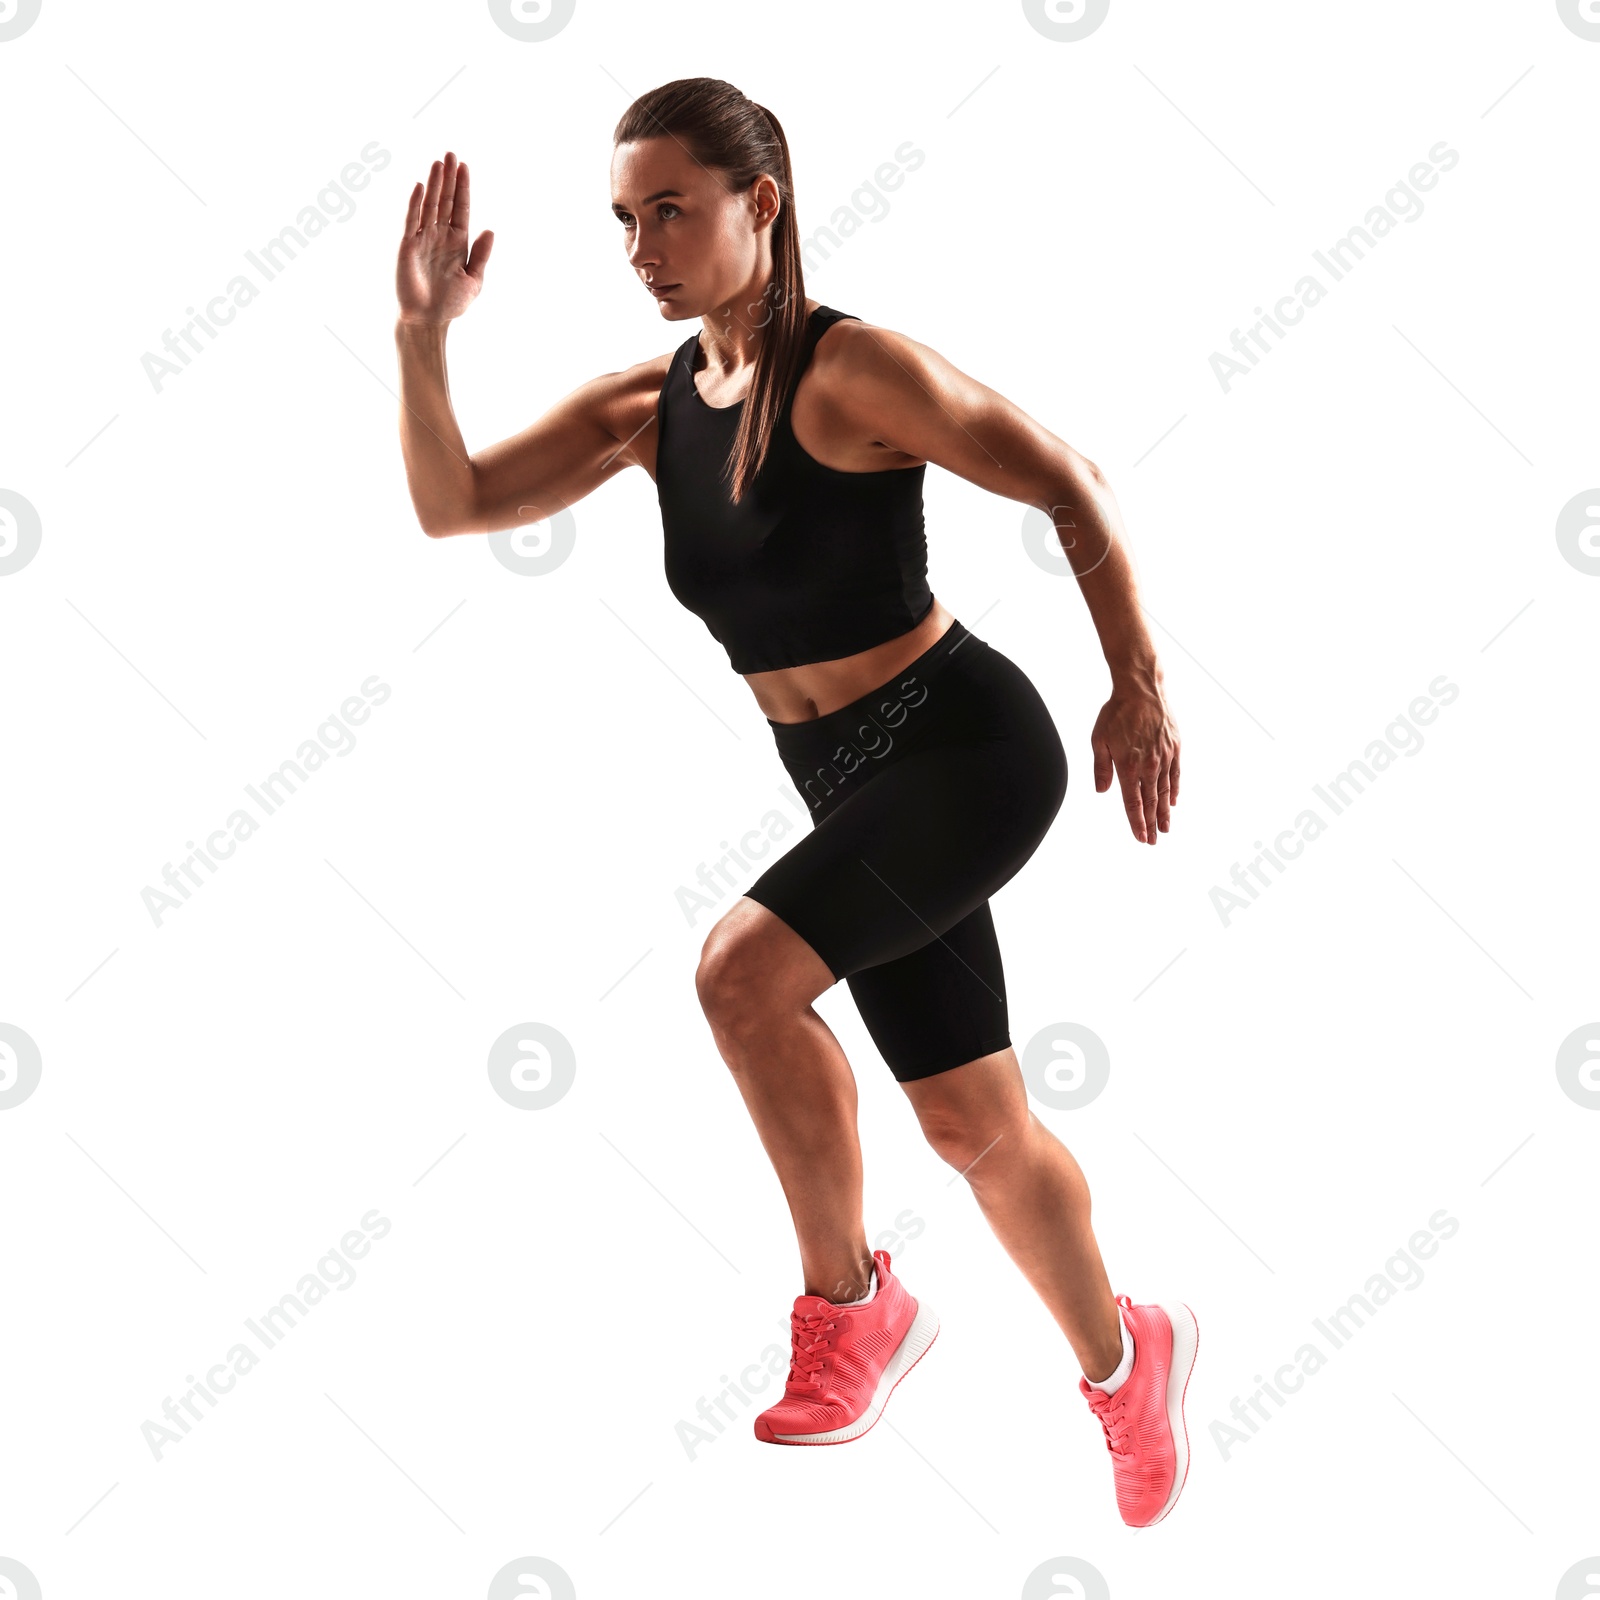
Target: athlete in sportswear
{"x": 788, "y": 443}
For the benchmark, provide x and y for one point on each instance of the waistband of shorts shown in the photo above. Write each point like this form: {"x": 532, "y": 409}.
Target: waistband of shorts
{"x": 800, "y": 736}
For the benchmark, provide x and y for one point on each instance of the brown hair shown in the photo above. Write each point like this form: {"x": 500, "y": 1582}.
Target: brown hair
{"x": 737, "y": 140}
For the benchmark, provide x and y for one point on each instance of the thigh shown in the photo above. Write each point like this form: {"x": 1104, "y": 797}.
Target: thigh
{"x": 913, "y": 853}
{"x": 939, "y": 1006}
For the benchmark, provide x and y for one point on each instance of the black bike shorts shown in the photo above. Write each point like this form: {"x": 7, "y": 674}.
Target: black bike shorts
{"x": 926, "y": 794}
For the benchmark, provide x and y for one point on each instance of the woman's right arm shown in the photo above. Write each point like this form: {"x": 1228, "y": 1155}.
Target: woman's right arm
{"x": 568, "y": 452}
{"x": 578, "y": 444}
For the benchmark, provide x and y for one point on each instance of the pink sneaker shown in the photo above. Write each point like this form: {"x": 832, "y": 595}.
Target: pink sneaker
{"x": 1143, "y": 1420}
{"x": 845, "y": 1360}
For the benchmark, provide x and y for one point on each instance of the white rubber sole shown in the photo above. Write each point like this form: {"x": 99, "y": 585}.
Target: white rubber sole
{"x": 1185, "y": 1345}
{"x": 923, "y": 1331}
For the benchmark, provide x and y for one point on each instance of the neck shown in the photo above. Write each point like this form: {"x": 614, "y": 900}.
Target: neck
{"x": 731, "y": 335}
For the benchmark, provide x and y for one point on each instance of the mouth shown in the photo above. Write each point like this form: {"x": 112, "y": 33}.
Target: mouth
{"x": 662, "y": 290}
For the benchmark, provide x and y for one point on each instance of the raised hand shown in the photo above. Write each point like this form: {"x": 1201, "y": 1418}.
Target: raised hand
{"x": 436, "y": 279}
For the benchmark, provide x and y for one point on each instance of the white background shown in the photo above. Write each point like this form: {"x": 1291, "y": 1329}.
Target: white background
{"x": 1292, "y": 1095}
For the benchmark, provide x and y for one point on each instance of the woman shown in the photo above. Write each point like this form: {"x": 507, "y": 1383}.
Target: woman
{"x": 787, "y": 442}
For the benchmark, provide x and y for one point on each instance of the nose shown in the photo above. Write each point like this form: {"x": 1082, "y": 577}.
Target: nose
{"x": 641, "y": 251}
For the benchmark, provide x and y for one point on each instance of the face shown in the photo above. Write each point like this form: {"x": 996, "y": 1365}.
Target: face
{"x": 684, "y": 233}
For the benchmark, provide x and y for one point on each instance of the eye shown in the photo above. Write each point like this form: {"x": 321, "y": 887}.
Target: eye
{"x": 666, "y": 205}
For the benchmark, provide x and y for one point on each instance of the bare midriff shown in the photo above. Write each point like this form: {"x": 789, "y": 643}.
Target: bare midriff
{"x": 802, "y": 694}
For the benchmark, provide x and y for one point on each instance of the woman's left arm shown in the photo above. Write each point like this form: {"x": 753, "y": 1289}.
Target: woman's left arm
{"x": 907, "y": 396}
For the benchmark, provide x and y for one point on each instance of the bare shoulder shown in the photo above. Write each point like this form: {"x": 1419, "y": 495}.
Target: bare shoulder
{"x": 852, "y": 352}
{"x": 867, "y": 374}
{"x": 882, "y": 385}
{"x": 869, "y": 382}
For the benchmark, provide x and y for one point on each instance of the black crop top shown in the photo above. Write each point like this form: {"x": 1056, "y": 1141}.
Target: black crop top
{"x": 815, "y": 563}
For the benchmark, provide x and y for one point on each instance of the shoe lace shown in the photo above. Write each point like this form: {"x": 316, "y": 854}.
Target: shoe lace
{"x": 1112, "y": 1410}
{"x": 808, "y": 1339}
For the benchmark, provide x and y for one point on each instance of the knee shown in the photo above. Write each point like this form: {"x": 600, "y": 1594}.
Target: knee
{"x": 966, "y": 1143}
{"x": 728, "y": 981}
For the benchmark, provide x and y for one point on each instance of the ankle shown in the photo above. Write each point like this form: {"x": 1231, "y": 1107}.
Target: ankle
{"x": 852, "y": 1283}
{"x": 1114, "y": 1372}
{"x": 1104, "y": 1364}
{"x": 868, "y": 1294}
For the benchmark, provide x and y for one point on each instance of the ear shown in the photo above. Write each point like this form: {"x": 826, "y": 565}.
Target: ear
{"x": 766, "y": 198}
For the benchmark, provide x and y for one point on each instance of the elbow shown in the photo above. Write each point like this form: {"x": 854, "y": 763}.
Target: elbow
{"x": 444, "y": 525}
{"x": 1092, "y": 486}
{"x": 467, "y": 522}
{"x": 445, "y": 509}
{"x": 1080, "y": 483}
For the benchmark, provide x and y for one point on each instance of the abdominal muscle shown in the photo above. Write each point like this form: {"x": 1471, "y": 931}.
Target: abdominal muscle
{"x": 802, "y": 694}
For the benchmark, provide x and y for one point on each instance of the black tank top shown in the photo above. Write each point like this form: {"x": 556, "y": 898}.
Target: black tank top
{"x": 814, "y": 564}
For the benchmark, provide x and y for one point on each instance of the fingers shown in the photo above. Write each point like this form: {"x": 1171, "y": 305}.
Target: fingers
{"x": 430, "y": 198}
{"x": 1155, "y": 805}
{"x": 1133, "y": 799}
{"x": 447, "y": 190}
{"x": 480, "y": 253}
{"x": 414, "y": 210}
{"x": 461, "y": 212}
{"x": 440, "y": 196}
{"x": 1167, "y": 788}
{"x": 1145, "y": 762}
{"x": 1141, "y": 794}
{"x": 1102, "y": 764}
